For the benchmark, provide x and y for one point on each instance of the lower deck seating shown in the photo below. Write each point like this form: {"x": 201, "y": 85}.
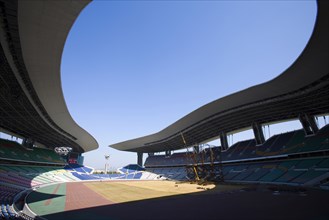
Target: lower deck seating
{"x": 275, "y": 161}
{"x": 16, "y": 178}
{"x": 175, "y": 173}
{"x": 305, "y": 171}
{"x": 7, "y": 194}
{"x": 78, "y": 168}
{"x": 131, "y": 168}
{"x": 295, "y": 172}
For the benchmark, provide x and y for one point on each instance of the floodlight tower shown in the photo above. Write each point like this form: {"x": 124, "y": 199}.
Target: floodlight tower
{"x": 107, "y": 157}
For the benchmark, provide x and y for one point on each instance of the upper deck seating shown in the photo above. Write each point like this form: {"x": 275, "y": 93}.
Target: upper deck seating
{"x": 11, "y": 150}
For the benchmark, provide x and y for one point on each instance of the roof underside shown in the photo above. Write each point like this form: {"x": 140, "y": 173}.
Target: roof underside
{"x": 302, "y": 89}
{"x": 32, "y": 105}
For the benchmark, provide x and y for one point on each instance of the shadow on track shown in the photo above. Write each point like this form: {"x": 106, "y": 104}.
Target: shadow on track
{"x": 248, "y": 202}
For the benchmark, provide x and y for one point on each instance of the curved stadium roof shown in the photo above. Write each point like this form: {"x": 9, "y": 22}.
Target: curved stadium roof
{"x": 302, "y": 89}
{"x": 32, "y": 36}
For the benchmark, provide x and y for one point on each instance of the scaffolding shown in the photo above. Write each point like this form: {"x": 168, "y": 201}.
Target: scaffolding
{"x": 203, "y": 164}
{"x": 191, "y": 165}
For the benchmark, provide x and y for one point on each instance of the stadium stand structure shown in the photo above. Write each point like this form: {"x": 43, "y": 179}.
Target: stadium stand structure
{"x": 31, "y": 99}
{"x": 130, "y": 168}
{"x": 11, "y": 150}
{"x": 290, "y": 158}
{"x": 300, "y": 92}
{"x": 33, "y": 109}
{"x": 296, "y": 158}
{"x": 32, "y": 106}
{"x": 23, "y": 170}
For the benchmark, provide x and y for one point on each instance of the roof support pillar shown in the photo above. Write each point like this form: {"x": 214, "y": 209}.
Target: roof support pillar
{"x": 196, "y": 149}
{"x": 258, "y": 132}
{"x": 168, "y": 153}
{"x": 140, "y": 159}
{"x": 309, "y": 124}
{"x": 223, "y": 140}
{"x": 28, "y": 143}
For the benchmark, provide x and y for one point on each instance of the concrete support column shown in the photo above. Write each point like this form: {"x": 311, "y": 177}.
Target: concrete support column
{"x": 28, "y": 143}
{"x": 196, "y": 148}
{"x": 258, "y": 132}
{"x": 223, "y": 140}
{"x": 140, "y": 158}
{"x": 309, "y": 125}
{"x": 168, "y": 153}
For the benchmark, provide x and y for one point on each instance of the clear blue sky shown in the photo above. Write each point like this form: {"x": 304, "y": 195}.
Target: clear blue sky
{"x": 131, "y": 68}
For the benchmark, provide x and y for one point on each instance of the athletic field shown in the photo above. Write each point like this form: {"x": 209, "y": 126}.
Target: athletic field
{"x": 171, "y": 200}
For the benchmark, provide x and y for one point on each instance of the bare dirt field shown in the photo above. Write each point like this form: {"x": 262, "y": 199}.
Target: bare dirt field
{"x": 127, "y": 191}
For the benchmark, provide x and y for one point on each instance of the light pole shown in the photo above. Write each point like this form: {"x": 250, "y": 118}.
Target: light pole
{"x": 107, "y": 157}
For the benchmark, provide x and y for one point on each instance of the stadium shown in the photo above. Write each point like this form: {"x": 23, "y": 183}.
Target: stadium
{"x": 42, "y": 175}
